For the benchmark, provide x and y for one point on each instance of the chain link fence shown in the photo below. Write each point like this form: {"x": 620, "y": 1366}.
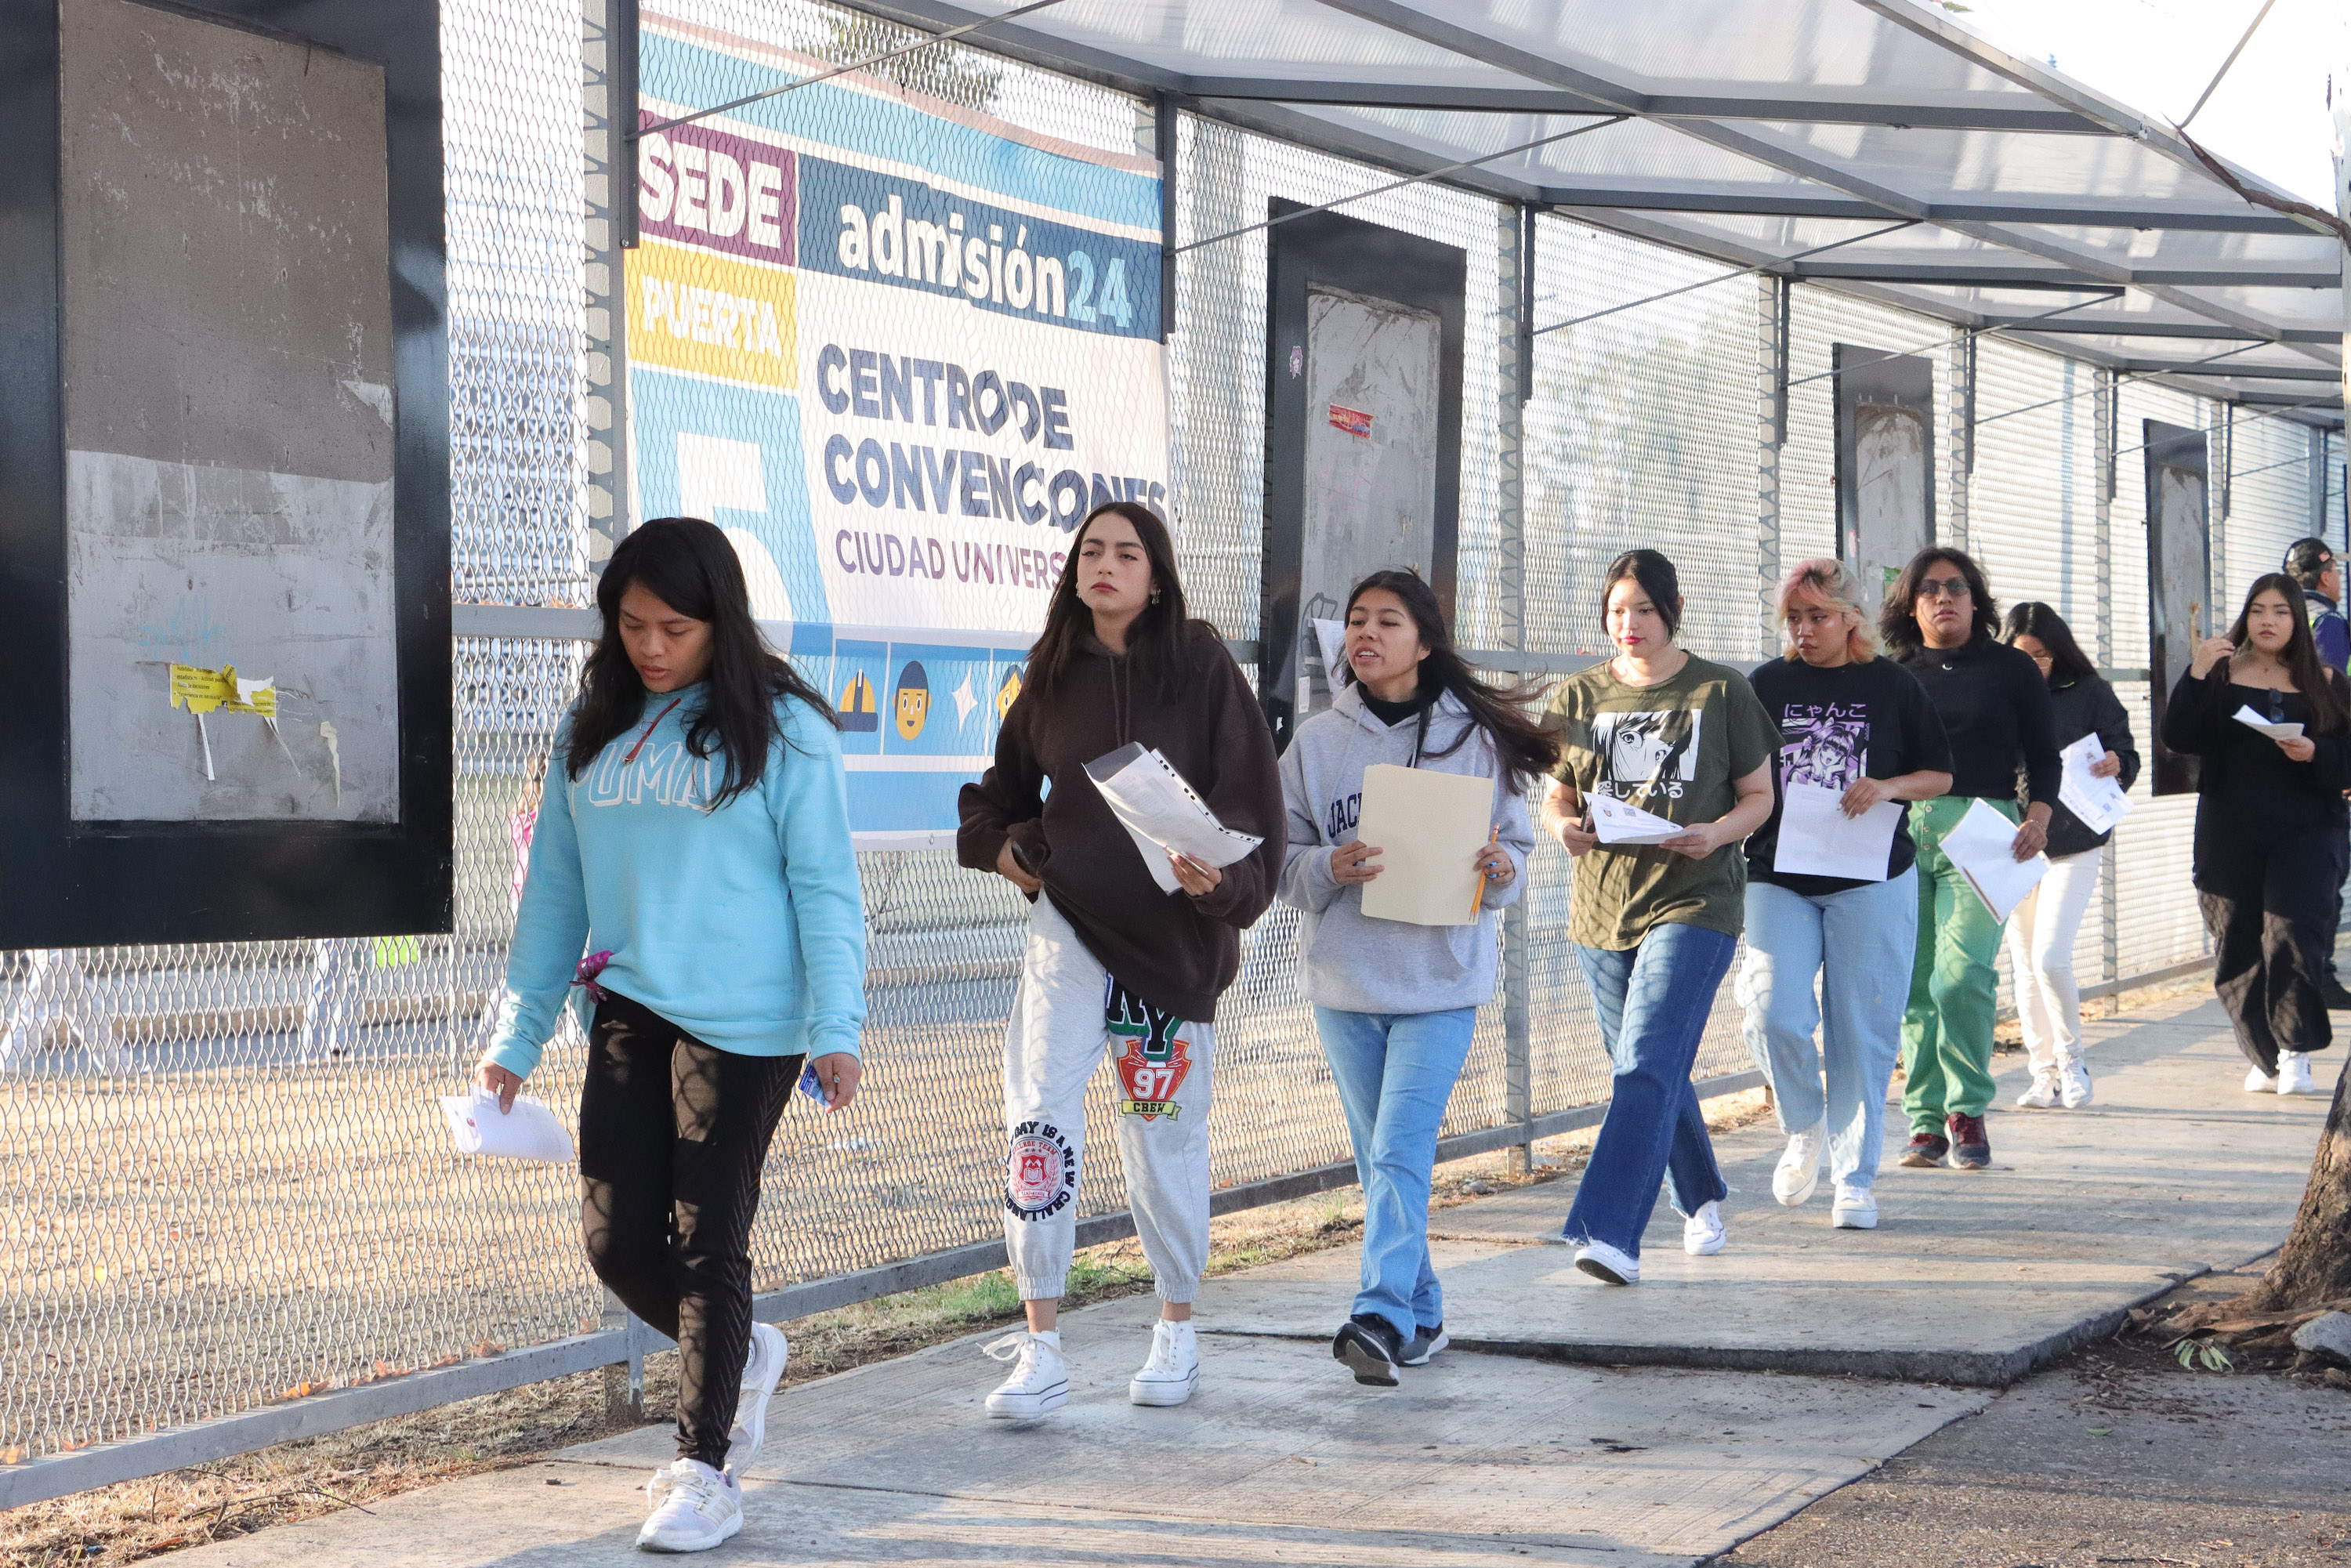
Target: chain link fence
{"x": 224, "y": 1178}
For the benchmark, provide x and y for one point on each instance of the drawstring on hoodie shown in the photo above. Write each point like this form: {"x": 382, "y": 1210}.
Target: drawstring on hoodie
{"x": 648, "y": 734}
{"x": 1122, "y": 697}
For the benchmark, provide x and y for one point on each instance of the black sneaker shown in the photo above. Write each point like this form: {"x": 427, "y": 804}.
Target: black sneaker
{"x": 1370, "y": 1348}
{"x": 1426, "y": 1341}
{"x": 2338, "y": 999}
{"x": 1925, "y": 1151}
{"x": 1970, "y": 1144}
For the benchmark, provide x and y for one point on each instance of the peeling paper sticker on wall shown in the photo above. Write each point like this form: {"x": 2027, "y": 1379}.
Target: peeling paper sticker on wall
{"x": 335, "y": 755}
{"x": 203, "y": 690}
{"x": 1353, "y": 421}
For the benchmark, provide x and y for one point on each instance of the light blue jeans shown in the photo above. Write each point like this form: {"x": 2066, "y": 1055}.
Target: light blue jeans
{"x": 1651, "y": 1002}
{"x": 1860, "y": 943}
{"x": 1395, "y": 1073}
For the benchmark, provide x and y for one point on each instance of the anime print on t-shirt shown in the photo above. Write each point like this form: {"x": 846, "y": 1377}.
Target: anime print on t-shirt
{"x": 1824, "y": 743}
{"x": 1646, "y": 752}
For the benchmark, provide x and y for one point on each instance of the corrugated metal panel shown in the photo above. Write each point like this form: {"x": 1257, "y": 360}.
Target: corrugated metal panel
{"x": 2269, "y": 497}
{"x": 2034, "y": 509}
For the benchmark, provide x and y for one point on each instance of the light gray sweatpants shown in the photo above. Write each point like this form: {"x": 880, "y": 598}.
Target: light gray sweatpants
{"x": 1056, "y": 1035}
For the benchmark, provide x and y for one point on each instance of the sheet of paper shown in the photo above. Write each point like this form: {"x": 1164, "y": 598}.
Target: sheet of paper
{"x": 1618, "y": 823}
{"x": 1332, "y": 637}
{"x": 2099, "y": 803}
{"x": 1817, "y": 839}
{"x": 1983, "y": 847}
{"x": 528, "y": 1131}
{"x": 1160, "y": 811}
{"x": 2252, "y": 720}
{"x": 1430, "y": 827}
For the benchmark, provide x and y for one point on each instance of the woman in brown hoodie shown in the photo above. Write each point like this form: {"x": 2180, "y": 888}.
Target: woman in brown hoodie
{"x": 1113, "y": 964}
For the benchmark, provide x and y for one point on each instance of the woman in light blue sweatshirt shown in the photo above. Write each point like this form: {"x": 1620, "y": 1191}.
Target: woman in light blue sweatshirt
{"x": 1396, "y": 1003}
{"x": 693, "y": 873}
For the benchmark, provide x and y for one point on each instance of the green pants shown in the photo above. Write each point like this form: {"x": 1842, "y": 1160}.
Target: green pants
{"x": 1954, "y": 978}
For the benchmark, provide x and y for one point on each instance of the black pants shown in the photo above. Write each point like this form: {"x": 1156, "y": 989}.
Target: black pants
{"x": 2271, "y": 918}
{"x": 673, "y": 1137}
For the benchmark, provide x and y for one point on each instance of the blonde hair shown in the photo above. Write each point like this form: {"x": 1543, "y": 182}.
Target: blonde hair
{"x": 1831, "y": 585}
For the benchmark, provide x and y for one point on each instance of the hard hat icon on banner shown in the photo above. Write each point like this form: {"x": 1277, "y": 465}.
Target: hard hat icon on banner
{"x": 857, "y": 712}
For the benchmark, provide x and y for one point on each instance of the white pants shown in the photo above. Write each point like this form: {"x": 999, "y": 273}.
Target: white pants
{"x": 2041, "y": 936}
{"x": 1056, "y": 1035}
{"x": 56, "y": 983}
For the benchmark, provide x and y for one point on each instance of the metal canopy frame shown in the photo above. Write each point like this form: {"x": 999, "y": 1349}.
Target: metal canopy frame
{"x": 1751, "y": 129}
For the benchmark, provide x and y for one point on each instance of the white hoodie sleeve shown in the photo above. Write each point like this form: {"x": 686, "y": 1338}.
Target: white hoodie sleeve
{"x": 1306, "y": 879}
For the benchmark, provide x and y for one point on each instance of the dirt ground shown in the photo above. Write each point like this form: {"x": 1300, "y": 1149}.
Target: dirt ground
{"x": 2115, "y": 1455}
{"x": 139, "y": 1520}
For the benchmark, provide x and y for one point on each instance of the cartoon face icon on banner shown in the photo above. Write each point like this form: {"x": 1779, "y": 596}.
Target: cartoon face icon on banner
{"x": 856, "y": 711}
{"x": 912, "y": 701}
{"x": 1008, "y": 691}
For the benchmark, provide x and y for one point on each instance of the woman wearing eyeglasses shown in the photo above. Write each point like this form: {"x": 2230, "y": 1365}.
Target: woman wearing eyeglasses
{"x": 2269, "y": 810}
{"x": 1940, "y": 624}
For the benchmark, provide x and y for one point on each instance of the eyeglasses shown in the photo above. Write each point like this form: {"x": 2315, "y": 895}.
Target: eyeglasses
{"x": 2276, "y": 705}
{"x": 1943, "y": 588}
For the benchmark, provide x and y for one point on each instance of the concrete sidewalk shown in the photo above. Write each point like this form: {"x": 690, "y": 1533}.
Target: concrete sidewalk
{"x": 1536, "y": 1455}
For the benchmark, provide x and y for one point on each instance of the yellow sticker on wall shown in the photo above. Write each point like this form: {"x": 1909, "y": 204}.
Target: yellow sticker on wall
{"x": 200, "y": 690}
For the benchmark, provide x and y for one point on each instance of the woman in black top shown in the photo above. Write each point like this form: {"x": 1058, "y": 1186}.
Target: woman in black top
{"x": 2269, "y": 812}
{"x": 2042, "y": 929}
{"x": 1940, "y": 624}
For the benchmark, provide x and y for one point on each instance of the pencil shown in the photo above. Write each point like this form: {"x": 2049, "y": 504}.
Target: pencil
{"x": 1478, "y": 896}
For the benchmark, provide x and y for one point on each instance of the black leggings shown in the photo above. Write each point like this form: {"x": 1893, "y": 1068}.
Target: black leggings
{"x": 673, "y": 1137}
{"x": 2271, "y": 918}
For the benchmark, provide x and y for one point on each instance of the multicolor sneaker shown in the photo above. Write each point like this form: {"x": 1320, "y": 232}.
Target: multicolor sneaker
{"x": 1370, "y": 1346}
{"x": 1925, "y": 1151}
{"x": 1425, "y": 1343}
{"x": 1970, "y": 1144}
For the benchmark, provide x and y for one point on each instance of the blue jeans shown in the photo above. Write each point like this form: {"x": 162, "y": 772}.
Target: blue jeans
{"x": 1395, "y": 1073}
{"x": 1860, "y": 943}
{"x": 1651, "y": 1002}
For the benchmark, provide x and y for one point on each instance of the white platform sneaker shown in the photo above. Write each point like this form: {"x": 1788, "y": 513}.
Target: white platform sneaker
{"x": 694, "y": 1508}
{"x": 2260, "y": 1082}
{"x": 2294, "y": 1073}
{"x": 1702, "y": 1233}
{"x": 1172, "y": 1372}
{"x": 1798, "y": 1170}
{"x": 1856, "y": 1207}
{"x": 1040, "y": 1380}
{"x": 761, "y": 1371}
{"x": 1609, "y": 1265}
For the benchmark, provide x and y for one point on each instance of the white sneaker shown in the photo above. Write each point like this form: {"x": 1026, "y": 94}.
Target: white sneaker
{"x": 762, "y": 1370}
{"x": 2043, "y": 1092}
{"x": 1172, "y": 1372}
{"x": 694, "y": 1508}
{"x": 2073, "y": 1085}
{"x": 1607, "y": 1264}
{"x": 2294, "y": 1073}
{"x": 1856, "y": 1207}
{"x": 2260, "y": 1082}
{"x": 1702, "y": 1233}
{"x": 1798, "y": 1170}
{"x": 1040, "y": 1380}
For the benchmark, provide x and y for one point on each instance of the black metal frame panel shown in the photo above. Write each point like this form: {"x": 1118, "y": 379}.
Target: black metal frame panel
{"x": 1344, "y": 253}
{"x": 73, "y": 884}
{"x": 2171, "y": 447}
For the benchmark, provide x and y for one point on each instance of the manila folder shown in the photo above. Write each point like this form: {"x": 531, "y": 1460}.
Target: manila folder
{"x": 1430, "y": 827}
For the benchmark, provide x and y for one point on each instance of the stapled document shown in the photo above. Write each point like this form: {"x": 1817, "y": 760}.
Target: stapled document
{"x": 1160, "y": 811}
{"x": 1983, "y": 846}
{"x": 1618, "y": 823}
{"x": 2098, "y": 803}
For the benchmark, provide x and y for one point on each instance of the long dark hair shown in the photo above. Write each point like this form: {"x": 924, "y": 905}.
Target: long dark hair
{"x": 1158, "y": 636}
{"x": 688, "y": 565}
{"x": 1897, "y": 620}
{"x": 2313, "y": 679}
{"x": 1658, "y": 579}
{"x": 2067, "y": 662}
{"x": 1527, "y": 750}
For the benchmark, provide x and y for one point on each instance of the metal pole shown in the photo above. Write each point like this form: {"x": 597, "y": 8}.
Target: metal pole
{"x": 1166, "y": 137}
{"x": 2103, "y": 439}
{"x": 1773, "y": 298}
{"x": 608, "y": 81}
{"x": 1963, "y": 436}
{"x": 1514, "y": 290}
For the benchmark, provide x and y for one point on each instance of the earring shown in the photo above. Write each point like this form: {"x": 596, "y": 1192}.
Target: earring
{"x": 1155, "y": 596}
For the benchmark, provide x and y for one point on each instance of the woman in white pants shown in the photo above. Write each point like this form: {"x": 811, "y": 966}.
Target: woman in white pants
{"x": 1128, "y": 951}
{"x": 2041, "y": 931}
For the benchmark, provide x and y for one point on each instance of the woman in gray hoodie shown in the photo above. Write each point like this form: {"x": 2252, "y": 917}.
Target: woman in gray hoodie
{"x": 1395, "y": 1003}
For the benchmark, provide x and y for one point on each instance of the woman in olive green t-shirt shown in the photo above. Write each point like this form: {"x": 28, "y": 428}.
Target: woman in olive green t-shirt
{"x": 1655, "y": 925}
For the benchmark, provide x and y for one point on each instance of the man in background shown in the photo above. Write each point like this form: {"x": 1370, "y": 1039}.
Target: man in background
{"x": 2311, "y": 562}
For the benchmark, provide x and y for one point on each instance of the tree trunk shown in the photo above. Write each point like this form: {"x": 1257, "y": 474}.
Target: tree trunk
{"x": 2315, "y": 1265}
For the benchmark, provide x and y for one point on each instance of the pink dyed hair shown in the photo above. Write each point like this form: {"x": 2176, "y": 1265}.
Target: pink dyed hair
{"x": 1832, "y": 585}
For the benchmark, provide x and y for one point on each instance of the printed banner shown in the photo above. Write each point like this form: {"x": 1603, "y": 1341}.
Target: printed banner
{"x": 897, "y": 350}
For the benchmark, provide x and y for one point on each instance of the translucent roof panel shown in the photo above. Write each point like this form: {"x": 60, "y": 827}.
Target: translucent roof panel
{"x": 1759, "y": 133}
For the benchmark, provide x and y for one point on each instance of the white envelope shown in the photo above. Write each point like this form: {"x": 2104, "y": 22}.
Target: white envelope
{"x": 1817, "y": 839}
{"x": 528, "y": 1131}
{"x": 1983, "y": 846}
{"x": 1618, "y": 823}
